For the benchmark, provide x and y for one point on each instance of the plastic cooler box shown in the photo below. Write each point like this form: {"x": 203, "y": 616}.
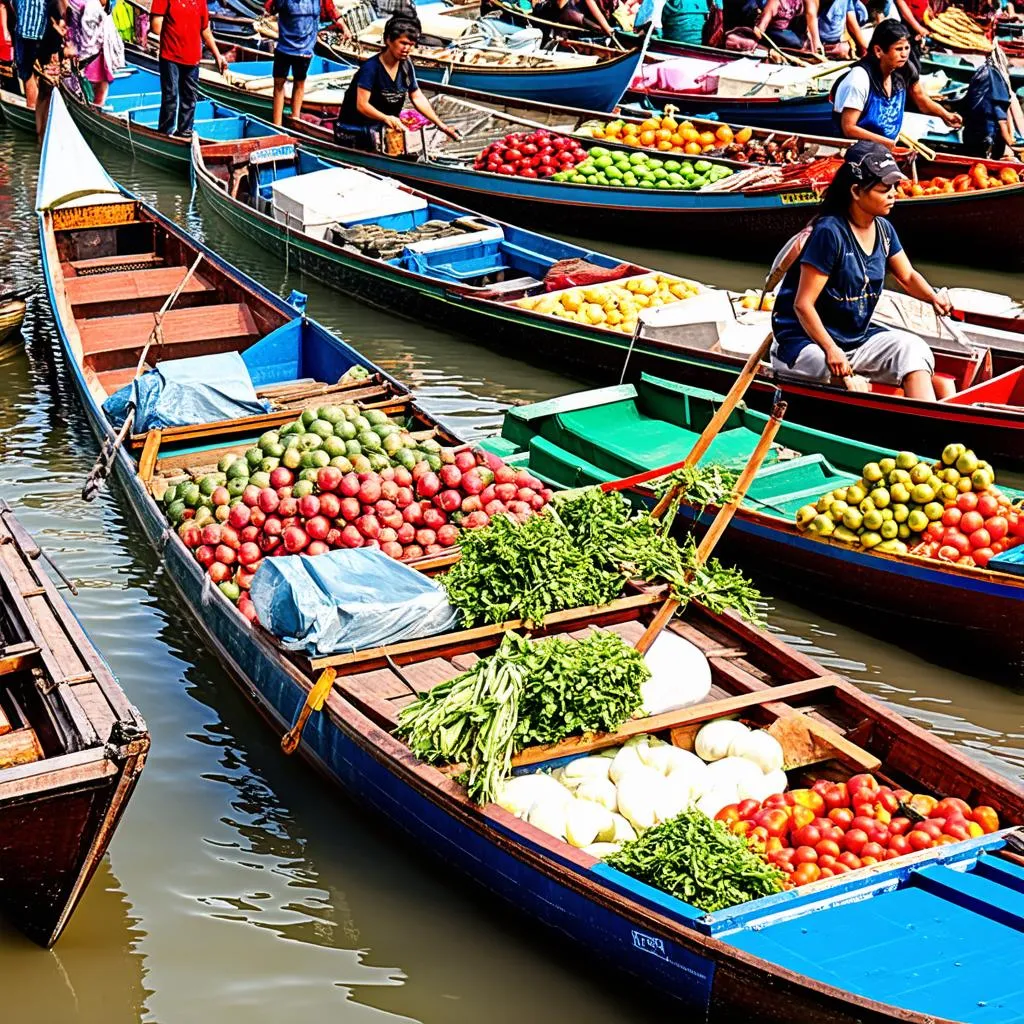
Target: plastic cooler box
{"x": 310, "y": 203}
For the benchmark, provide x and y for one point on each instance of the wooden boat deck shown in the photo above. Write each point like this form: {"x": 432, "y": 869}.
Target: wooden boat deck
{"x": 144, "y": 290}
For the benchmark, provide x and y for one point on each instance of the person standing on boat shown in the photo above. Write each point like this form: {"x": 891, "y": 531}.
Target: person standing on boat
{"x": 988, "y": 132}
{"x": 870, "y": 99}
{"x": 828, "y": 22}
{"x": 97, "y": 42}
{"x": 298, "y": 22}
{"x": 822, "y": 316}
{"x": 378, "y": 91}
{"x": 183, "y": 26}
{"x": 30, "y": 20}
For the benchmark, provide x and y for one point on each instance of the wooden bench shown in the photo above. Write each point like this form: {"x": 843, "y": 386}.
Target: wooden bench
{"x": 111, "y": 342}
{"x": 114, "y": 380}
{"x": 141, "y": 290}
{"x": 107, "y": 264}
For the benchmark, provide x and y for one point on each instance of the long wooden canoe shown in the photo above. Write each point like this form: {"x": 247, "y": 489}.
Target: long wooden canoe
{"x": 929, "y": 910}
{"x": 968, "y": 616}
{"x": 71, "y": 746}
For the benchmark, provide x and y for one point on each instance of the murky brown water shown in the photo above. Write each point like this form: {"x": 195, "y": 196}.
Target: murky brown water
{"x": 239, "y": 887}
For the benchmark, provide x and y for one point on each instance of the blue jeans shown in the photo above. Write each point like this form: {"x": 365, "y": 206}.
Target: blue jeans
{"x": 179, "y": 88}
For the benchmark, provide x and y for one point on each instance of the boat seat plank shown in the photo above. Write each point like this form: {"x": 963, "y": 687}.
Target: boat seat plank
{"x": 381, "y": 683}
{"x": 106, "y": 264}
{"x": 425, "y": 675}
{"x": 20, "y": 746}
{"x": 107, "y": 334}
{"x": 114, "y": 380}
{"x": 984, "y": 896}
{"x": 133, "y": 286}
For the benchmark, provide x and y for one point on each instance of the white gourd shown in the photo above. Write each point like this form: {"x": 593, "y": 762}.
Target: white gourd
{"x": 637, "y": 793}
{"x": 622, "y": 831}
{"x": 761, "y": 748}
{"x": 680, "y": 675}
{"x": 733, "y": 772}
{"x": 584, "y": 820}
{"x": 672, "y": 798}
{"x": 602, "y": 850}
{"x": 517, "y": 795}
{"x": 627, "y": 760}
{"x": 549, "y": 815}
{"x": 715, "y": 799}
{"x": 775, "y": 782}
{"x": 584, "y": 768}
{"x": 599, "y": 791}
{"x": 715, "y": 738}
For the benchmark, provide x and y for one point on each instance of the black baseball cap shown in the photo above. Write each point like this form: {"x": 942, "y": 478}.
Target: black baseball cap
{"x": 871, "y": 161}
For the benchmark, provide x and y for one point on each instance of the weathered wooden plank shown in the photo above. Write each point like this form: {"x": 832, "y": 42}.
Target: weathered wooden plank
{"x": 20, "y": 746}
{"x": 150, "y": 453}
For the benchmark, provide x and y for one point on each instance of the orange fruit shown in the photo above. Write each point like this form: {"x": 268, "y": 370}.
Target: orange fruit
{"x": 743, "y": 136}
{"x": 664, "y": 145}
{"x": 647, "y": 138}
{"x": 669, "y": 123}
{"x": 917, "y": 190}
{"x": 724, "y": 134}
{"x": 707, "y": 138}
{"x": 692, "y": 149}
{"x": 689, "y": 134}
{"x": 650, "y": 125}
{"x": 676, "y": 139}
{"x": 598, "y": 133}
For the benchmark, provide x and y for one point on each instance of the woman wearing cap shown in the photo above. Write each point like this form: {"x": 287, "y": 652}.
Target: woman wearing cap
{"x": 870, "y": 99}
{"x": 822, "y": 317}
{"x": 376, "y": 95}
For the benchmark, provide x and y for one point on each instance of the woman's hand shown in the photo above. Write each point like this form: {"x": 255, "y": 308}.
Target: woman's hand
{"x": 942, "y": 303}
{"x": 953, "y": 120}
{"x": 451, "y": 132}
{"x": 838, "y": 364}
{"x": 395, "y": 122}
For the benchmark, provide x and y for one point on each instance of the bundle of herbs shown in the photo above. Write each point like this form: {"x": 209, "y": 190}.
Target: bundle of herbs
{"x": 699, "y": 861}
{"x": 528, "y": 691}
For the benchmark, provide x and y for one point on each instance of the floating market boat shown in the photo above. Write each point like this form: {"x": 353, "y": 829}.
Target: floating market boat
{"x": 959, "y": 614}
{"x": 15, "y": 110}
{"x": 129, "y": 118}
{"x": 71, "y": 746}
{"x": 807, "y": 953}
{"x": 12, "y": 311}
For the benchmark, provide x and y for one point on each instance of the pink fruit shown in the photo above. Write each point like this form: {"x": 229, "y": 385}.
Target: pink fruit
{"x": 281, "y": 477}
{"x": 523, "y": 478}
{"x": 351, "y": 537}
{"x": 350, "y": 509}
{"x": 472, "y": 503}
{"x": 505, "y": 492}
{"x": 221, "y": 513}
{"x": 525, "y": 493}
{"x": 288, "y": 507}
{"x": 226, "y": 555}
{"x": 387, "y": 473}
{"x": 229, "y": 536}
{"x": 428, "y": 485}
{"x": 406, "y": 533}
{"x": 295, "y": 539}
{"x": 372, "y": 542}
{"x": 447, "y": 536}
{"x": 465, "y": 460}
{"x": 433, "y": 549}
{"x": 489, "y": 459}
{"x": 240, "y": 515}
{"x": 329, "y": 478}
{"x": 420, "y": 469}
{"x": 219, "y": 572}
{"x": 425, "y": 537}
{"x": 368, "y": 526}
{"x": 212, "y": 534}
{"x": 191, "y": 536}
{"x": 389, "y": 490}
{"x": 333, "y": 538}
{"x": 387, "y": 535}
{"x": 330, "y": 505}
{"x": 487, "y": 495}
{"x": 257, "y": 517}
{"x": 517, "y": 507}
{"x": 249, "y": 553}
{"x": 273, "y": 526}
{"x": 392, "y": 549}
{"x": 349, "y": 486}
{"x": 447, "y": 456}
{"x": 486, "y": 475}
{"x": 404, "y": 497}
{"x": 494, "y": 508}
{"x": 269, "y": 543}
{"x": 251, "y": 495}
{"x": 505, "y": 475}
{"x": 451, "y": 476}
{"x": 318, "y": 527}
{"x": 537, "y": 502}
{"x": 220, "y": 496}
{"x": 413, "y": 513}
{"x": 244, "y": 579}
{"x": 317, "y": 547}
{"x": 473, "y": 482}
{"x": 545, "y": 493}
{"x": 269, "y": 500}
{"x": 369, "y": 491}
{"x": 205, "y": 555}
{"x": 248, "y": 610}
{"x": 284, "y": 492}
{"x": 434, "y": 519}
{"x": 449, "y": 501}
{"x": 476, "y": 520}
{"x": 384, "y": 507}
{"x": 393, "y": 519}
{"x": 290, "y": 521}
{"x": 249, "y": 534}
{"x": 403, "y": 477}
{"x": 309, "y": 506}
{"x": 412, "y": 551}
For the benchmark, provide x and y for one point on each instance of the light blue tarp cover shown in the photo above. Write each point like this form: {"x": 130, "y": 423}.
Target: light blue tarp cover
{"x": 347, "y": 600}
{"x": 183, "y": 392}
{"x": 1011, "y": 561}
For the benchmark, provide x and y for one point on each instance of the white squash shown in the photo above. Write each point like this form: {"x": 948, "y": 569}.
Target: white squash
{"x": 585, "y": 820}
{"x": 775, "y": 782}
{"x": 672, "y": 798}
{"x": 715, "y": 738}
{"x": 584, "y": 768}
{"x": 549, "y": 815}
{"x": 638, "y": 793}
{"x": 518, "y": 794}
{"x": 599, "y": 791}
{"x": 760, "y": 747}
{"x": 622, "y": 831}
{"x": 680, "y": 675}
{"x": 733, "y": 772}
{"x": 626, "y": 761}
{"x": 602, "y": 850}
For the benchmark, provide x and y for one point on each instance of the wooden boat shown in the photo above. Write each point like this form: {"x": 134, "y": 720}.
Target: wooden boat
{"x": 129, "y": 118}
{"x": 713, "y": 219}
{"x": 12, "y": 313}
{"x": 745, "y": 963}
{"x": 596, "y": 436}
{"x": 15, "y": 110}
{"x": 71, "y": 746}
{"x": 574, "y": 74}
{"x": 479, "y": 286}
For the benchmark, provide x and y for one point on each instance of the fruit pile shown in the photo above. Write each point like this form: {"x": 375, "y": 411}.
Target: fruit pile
{"x": 234, "y": 517}
{"x": 618, "y": 169}
{"x": 976, "y": 180}
{"x": 905, "y": 499}
{"x": 615, "y": 306}
{"x": 666, "y": 135}
{"x": 537, "y": 155}
{"x": 836, "y": 827}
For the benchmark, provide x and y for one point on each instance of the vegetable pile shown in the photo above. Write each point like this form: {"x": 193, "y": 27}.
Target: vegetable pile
{"x": 977, "y": 179}
{"x": 698, "y": 861}
{"x": 835, "y": 827}
{"x": 617, "y": 169}
{"x": 537, "y": 155}
{"x": 581, "y": 554}
{"x": 528, "y": 691}
{"x": 949, "y": 510}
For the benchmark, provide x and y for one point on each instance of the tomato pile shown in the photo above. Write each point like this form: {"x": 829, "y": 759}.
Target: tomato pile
{"x": 537, "y": 155}
{"x": 976, "y": 180}
{"x": 973, "y": 529}
{"x": 836, "y": 827}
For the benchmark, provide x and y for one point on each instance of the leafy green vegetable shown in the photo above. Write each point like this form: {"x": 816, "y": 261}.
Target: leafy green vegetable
{"x": 701, "y": 485}
{"x": 699, "y": 861}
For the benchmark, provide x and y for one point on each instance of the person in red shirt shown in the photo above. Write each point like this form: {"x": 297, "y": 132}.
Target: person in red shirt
{"x": 183, "y": 26}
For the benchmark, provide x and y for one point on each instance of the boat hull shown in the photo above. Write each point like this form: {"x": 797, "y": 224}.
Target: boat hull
{"x": 16, "y": 113}
{"x": 12, "y": 315}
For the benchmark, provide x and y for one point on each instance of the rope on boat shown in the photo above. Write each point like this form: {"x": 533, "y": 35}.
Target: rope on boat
{"x": 629, "y": 351}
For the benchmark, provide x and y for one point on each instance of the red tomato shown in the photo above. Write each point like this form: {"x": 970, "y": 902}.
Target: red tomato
{"x": 998, "y": 527}
{"x": 876, "y": 850}
{"x": 748, "y": 808}
{"x": 948, "y": 553}
{"x": 958, "y": 540}
{"x": 865, "y": 823}
{"x": 931, "y": 827}
{"x": 988, "y": 505}
{"x": 826, "y": 861}
{"x": 958, "y": 830}
{"x": 837, "y": 796}
{"x": 806, "y": 798}
{"x": 950, "y": 805}
{"x": 919, "y": 840}
{"x": 967, "y": 502}
{"x": 839, "y": 868}
{"x": 827, "y": 848}
{"x": 981, "y": 538}
{"x": 982, "y": 556}
{"x": 729, "y": 814}
{"x": 971, "y": 521}
{"x": 899, "y": 845}
{"x": 863, "y": 781}
{"x": 899, "y": 826}
{"x": 742, "y": 828}
{"x": 822, "y": 786}
{"x": 826, "y": 872}
{"x": 806, "y": 873}
{"x": 888, "y": 800}
{"x": 805, "y": 855}
{"x": 842, "y": 816}
{"x": 809, "y": 835}
{"x": 851, "y": 860}
{"x": 855, "y": 840}
{"x": 987, "y": 818}
{"x": 891, "y": 855}
{"x": 775, "y": 800}
{"x": 935, "y": 531}
{"x": 773, "y": 820}
{"x": 759, "y": 834}
{"x": 867, "y": 861}
{"x": 801, "y": 816}
{"x": 773, "y": 845}
{"x": 951, "y": 517}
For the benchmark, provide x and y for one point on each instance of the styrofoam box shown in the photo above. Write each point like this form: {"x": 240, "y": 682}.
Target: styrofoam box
{"x": 494, "y": 234}
{"x": 338, "y": 195}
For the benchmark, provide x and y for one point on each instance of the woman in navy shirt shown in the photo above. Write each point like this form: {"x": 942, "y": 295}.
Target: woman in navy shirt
{"x": 377, "y": 94}
{"x": 822, "y": 318}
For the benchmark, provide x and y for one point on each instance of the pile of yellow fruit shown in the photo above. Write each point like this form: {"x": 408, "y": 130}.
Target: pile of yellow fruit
{"x": 666, "y": 134}
{"x": 614, "y": 306}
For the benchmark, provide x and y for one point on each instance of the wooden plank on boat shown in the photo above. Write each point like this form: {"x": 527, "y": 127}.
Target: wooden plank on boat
{"x": 133, "y": 285}
{"x": 807, "y": 741}
{"x": 20, "y": 746}
{"x": 673, "y": 720}
{"x": 16, "y": 657}
{"x": 150, "y": 453}
{"x": 103, "y": 264}
{"x": 448, "y": 644}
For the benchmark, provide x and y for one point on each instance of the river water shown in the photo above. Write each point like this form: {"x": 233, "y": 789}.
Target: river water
{"x": 239, "y": 887}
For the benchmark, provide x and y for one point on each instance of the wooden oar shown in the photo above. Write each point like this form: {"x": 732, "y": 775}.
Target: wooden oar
{"x": 916, "y": 145}
{"x": 664, "y": 614}
{"x": 314, "y": 702}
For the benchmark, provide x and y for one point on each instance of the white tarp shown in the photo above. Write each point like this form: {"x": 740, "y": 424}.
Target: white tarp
{"x": 68, "y": 168}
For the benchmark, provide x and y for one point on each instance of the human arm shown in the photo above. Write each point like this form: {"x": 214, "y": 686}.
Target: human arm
{"x": 811, "y": 16}
{"x": 857, "y": 34}
{"x": 770, "y": 10}
{"x": 907, "y": 16}
{"x": 329, "y": 13}
{"x": 422, "y": 104}
{"x": 211, "y": 45}
{"x": 914, "y": 284}
{"x": 851, "y": 130}
{"x": 812, "y": 282}
{"x": 598, "y": 15}
{"x": 369, "y": 111}
{"x": 928, "y": 106}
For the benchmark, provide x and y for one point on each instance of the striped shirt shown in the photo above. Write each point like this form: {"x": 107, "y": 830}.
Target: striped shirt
{"x": 30, "y": 18}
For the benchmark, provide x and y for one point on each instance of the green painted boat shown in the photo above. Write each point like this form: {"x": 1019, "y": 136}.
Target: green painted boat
{"x": 594, "y": 437}
{"x": 15, "y": 112}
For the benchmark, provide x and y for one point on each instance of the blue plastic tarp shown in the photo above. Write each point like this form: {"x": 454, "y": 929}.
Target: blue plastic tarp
{"x": 183, "y": 392}
{"x": 1011, "y": 561}
{"x": 347, "y": 600}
